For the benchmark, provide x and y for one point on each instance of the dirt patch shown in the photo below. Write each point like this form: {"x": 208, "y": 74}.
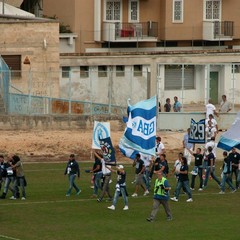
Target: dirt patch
{"x": 57, "y": 145}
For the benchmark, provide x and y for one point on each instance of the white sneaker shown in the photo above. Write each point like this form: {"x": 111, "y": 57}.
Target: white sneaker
{"x": 233, "y": 191}
{"x": 111, "y": 207}
{"x": 146, "y": 193}
{"x": 125, "y": 208}
{"x": 200, "y": 189}
{"x": 221, "y": 192}
{"x": 192, "y": 189}
{"x": 23, "y": 198}
{"x": 189, "y": 200}
{"x": 134, "y": 195}
{"x": 174, "y": 199}
{"x": 12, "y": 198}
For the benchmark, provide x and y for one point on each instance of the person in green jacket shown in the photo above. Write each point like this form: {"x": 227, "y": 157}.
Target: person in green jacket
{"x": 161, "y": 196}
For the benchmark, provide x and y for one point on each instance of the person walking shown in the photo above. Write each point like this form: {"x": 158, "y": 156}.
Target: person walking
{"x": 187, "y": 147}
{"x": 121, "y": 189}
{"x": 198, "y": 169}
{"x": 9, "y": 174}
{"x": 73, "y": 171}
{"x": 183, "y": 181}
{"x": 226, "y": 173}
{"x": 160, "y": 197}
{"x": 210, "y": 168}
{"x": 235, "y": 159}
{"x": 20, "y": 180}
{"x": 106, "y": 179}
{"x": 97, "y": 176}
{"x": 139, "y": 171}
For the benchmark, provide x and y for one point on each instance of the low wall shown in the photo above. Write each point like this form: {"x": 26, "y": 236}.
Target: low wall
{"x": 181, "y": 121}
{"x": 165, "y": 121}
{"x": 20, "y": 122}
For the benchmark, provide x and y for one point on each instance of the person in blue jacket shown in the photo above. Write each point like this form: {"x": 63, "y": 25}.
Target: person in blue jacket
{"x": 73, "y": 171}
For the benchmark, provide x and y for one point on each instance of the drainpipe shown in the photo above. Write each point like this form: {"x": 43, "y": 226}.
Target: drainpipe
{"x": 3, "y": 6}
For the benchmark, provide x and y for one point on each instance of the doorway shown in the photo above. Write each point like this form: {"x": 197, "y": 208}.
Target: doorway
{"x": 213, "y": 91}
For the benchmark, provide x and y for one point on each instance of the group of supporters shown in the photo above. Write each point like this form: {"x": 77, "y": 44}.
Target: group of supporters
{"x": 12, "y": 177}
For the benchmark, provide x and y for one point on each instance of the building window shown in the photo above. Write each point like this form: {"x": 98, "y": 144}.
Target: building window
{"x": 137, "y": 70}
{"x": 212, "y": 9}
{"x": 173, "y": 77}
{"x": 102, "y": 71}
{"x": 66, "y": 72}
{"x": 133, "y": 11}
{"x": 120, "y": 71}
{"x": 178, "y": 11}
{"x": 14, "y": 64}
{"x": 84, "y": 71}
{"x": 113, "y": 10}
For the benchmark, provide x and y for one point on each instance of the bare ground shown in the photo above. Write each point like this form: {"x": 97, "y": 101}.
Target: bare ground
{"x": 57, "y": 145}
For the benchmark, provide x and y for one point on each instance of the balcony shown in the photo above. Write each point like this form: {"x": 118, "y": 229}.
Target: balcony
{"x": 218, "y": 31}
{"x": 130, "y": 32}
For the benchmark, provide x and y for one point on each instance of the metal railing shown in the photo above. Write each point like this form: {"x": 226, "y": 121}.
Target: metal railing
{"x": 223, "y": 29}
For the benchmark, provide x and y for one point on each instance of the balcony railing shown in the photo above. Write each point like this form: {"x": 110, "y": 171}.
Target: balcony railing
{"x": 122, "y": 32}
{"x": 217, "y": 30}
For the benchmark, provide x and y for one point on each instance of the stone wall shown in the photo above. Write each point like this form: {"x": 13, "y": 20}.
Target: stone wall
{"x": 37, "y": 40}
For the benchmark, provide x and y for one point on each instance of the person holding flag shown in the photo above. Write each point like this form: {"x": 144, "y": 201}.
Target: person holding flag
{"x": 106, "y": 179}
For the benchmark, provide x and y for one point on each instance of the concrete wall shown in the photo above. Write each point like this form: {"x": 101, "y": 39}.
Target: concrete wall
{"x": 221, "y": 62}
{"x": 39, "y": 41}
{"x": 165, "y": 121}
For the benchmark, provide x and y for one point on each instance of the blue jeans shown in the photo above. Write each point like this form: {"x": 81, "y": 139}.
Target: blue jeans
{"x": 146, "y": 178}
{"x": 200, "y": 178}
{"x": 235, "y": 171}
{"x": 212, "y": 173}
{"x": 226, "y": 179}
{"x": 121, "y": 190}
{"x": 7, "y": 184}
{"x": 184, "y": 184}
{"x": 97, "y": 182}
{"x": 72, "y": 184}
{"x": 19, "y": 181}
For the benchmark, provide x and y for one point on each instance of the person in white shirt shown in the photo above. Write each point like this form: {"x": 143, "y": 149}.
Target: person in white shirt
{"x": 160, "y": 149}
{"x": 225, "y": 106}
{"x": 211, "y": 127}
{"x": 210, "y": 109}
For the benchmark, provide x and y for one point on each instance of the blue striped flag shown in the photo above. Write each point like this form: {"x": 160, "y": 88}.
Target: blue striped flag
{"x": 231, "y": 138}
{"x": 140, "y": 132}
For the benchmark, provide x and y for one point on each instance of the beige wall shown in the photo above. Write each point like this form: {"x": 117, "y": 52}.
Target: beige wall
{"x": 26, "y": 38}
{"x": 79, "y": 14}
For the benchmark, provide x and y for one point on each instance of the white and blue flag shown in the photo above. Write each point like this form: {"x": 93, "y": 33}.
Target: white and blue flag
{"x": 140, "y": 132}
{"x": 231, "y": 138}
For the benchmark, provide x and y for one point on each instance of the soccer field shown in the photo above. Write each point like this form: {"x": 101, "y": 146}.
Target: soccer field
{"x": 48, "y": 214}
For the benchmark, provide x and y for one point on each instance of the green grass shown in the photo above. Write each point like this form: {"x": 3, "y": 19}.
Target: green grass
{"x": 49, "y": 214}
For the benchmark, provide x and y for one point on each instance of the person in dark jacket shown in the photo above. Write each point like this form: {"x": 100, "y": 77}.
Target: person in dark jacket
{"x": 226, "y": 173}
{"x": 73, "y": 171}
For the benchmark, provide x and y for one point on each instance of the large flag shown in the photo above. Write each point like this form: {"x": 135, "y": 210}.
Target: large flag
{"x": 107, "y": 150}
{"x": 197, "y": 131}
{"x": 140, "y": 132}
{"x": 231, "y": 138}
{"x": 101, "y": 130}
